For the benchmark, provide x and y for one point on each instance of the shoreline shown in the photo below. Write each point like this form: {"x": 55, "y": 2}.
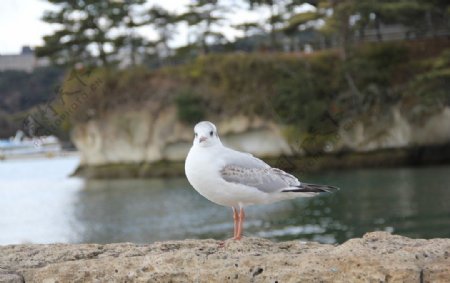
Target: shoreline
{"x": 383, "y": 158}
{"x": 40, "y": 155}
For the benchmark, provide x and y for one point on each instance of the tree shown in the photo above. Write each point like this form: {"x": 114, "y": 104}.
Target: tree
{"x": 204, "y": 15}
{"x": 302, "y": 24}
{"x": 248, "y": 28}
{"x": 91, "y": 32}
{"x": 418, "y": 16}
{"x": 275, "y": 17}
{"x": 19, "y": 91}
{"x": 349, "y": 16}
{"x": 437, "y": 15}
{"x": 164, "y": 22}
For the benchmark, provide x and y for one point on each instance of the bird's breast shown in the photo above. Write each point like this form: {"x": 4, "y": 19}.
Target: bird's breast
{"x": 203, "y": 173}
{"x": 200, "y": 168}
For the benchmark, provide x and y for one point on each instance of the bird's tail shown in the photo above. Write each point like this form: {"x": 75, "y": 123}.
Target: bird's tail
{"x": 311, "y": 188}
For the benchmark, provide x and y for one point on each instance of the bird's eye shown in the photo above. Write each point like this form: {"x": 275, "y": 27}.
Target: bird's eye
{"x": 195, "y": 134}
{"x": 211, "y": 133}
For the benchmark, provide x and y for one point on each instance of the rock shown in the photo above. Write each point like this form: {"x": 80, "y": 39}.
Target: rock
{"x": 11, "y": 278}
{"x": 141, "y": 136}
{"x": 377, "y": 257}
{"x": 394, "y": 131}
{"x": 147, "y": 142}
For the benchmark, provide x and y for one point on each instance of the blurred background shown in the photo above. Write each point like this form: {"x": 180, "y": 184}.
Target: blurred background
{"x": 98, "y": 100}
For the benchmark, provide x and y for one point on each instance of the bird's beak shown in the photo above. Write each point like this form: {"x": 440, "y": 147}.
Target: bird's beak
{"x": 202, "y": 139}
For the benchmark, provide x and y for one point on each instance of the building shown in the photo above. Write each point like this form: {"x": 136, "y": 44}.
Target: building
{"x": 25, "y": 61}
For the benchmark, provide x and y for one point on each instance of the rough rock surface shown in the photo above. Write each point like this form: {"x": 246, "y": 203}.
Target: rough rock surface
{"x": 395, "y": 131}
{"x": 377, "y": 257}
{"x": 143, "y": 136}
{"x": 140, "y": 136}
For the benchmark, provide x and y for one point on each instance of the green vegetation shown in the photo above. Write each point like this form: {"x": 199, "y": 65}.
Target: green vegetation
{"x": 110, "y": 66}
{"x": 91, "y": 32}
{"x": 308, "y": 93}
{"x": 431, "y": 89}
{"x": 22, "y": 92}
{"x": 15, "y": 87}
{"x": 102, "y": 33}
{"x": 190, "y": 107}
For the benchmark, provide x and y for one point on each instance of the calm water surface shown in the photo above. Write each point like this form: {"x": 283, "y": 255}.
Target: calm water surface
{"x": 39, "y": 203}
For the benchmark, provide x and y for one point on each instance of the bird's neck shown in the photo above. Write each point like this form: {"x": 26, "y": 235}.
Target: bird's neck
{"x": 208, "y": 147}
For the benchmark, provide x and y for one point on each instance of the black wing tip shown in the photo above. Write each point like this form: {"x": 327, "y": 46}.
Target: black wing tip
{"x": 312, "y": 188}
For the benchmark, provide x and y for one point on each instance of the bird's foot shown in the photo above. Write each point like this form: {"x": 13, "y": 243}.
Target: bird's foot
{"x": 223, "y": 243}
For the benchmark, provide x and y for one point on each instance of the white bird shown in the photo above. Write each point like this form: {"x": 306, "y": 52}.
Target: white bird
{"x": 237, "y": 179}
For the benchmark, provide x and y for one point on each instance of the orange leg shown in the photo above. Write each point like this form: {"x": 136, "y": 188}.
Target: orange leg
{"x": 240, "y": 225}
{"x": 236, "y": 224}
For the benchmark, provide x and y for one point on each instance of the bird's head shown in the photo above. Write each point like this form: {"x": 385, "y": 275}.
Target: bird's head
{"x": 205, "y": 134}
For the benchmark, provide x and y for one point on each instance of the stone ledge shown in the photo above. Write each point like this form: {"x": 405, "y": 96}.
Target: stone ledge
{"x": 376, "y": 257}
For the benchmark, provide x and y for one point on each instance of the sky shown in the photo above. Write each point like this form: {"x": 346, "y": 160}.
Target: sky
{"x": 20, "y": 22}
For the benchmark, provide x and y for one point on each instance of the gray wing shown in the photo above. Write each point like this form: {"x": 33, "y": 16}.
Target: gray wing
{"x": 242, "y": 159}
{"x": 264, "y": 179}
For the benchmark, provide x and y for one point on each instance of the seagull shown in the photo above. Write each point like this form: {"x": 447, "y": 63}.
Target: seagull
{"x": 236, "y": 179}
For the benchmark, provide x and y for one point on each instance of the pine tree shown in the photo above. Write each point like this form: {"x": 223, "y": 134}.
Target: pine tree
{"x": 90, "y": 32}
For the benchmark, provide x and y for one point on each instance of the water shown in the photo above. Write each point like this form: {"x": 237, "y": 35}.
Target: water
{"x": 40, "y": 204}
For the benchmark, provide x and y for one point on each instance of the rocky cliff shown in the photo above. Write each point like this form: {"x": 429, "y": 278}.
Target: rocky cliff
{"x": 137, "y": 138}
{"x": 140, "y": 136}
{"x": 377, "y": 257}
{"x": 395, "y": 131}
